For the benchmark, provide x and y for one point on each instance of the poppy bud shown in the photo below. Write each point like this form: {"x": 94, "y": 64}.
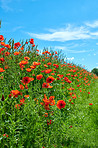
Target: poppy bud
{"x": 2, "y": 99}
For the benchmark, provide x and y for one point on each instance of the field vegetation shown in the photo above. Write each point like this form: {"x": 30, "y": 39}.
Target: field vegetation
{"x": 45, "y": 102}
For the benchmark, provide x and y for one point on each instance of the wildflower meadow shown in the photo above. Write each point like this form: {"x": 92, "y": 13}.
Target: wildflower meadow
{"x": 45, "y": 102}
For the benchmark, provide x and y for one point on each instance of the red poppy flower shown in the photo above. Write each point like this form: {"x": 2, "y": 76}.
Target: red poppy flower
{"x": 56, "y": 52}
{"x": 56, "y": 65}
{"x": 46, "y": 115}
{"x": 45, "y": 103}
{"x": 16, "y": 53}
{"x": 16, "y": 93}
{"x": 70, "y": 126}
{"x": 61, "y": 104}
{"x": 2, "y": 49}
{"x": 26, "y": 86}
{"x": 47, "y": 52}
{"x": 2, "y": 59}
{"x": 60, "y": 76}
{"x": 21, "y": 86}
{"x": 90, "y": 103}
{"x": 5, "y": 135}
{"x": 48, "y": 70}
{"x": 49, "y": 63}
{"x": 52, "y": 73}
{"x": 2, "y": 70}
{"x": 17, "y": 44}
{"x": 68, "y": 74}
{"x": 26, "y": 80}
{"x": 33, "y": 67}
{"x": 28, "y": 70}
{"x": 46, "y": 85}
{"x": 23, "y": 62}
{"x": 45, "y": 65}
{"x": 48, "y": 102}
{"x": 7, "y": 53}
{"x": 31, "y": 41}
{"x": 21, "y": 66}
{"x": 17, "y": 106}
{"x": 69, "y": 81}
{"x": 36, "y": 63}
{"x": 8, "y": 46}
{"x": 2, "y": 43}
{"x": 66, "y": 79}
{"x": 26, "y": 96}
{"x": 1, "y": 38}
{"x": 22, "y": 48}
{"x": 49, "y": 122}
{"x": 38, "y": 77}
{"x": 50, "y": 79}
{"x": 22, "y": 101}
{"x": 37, "y": 50}
{"x": 26, "y": 58}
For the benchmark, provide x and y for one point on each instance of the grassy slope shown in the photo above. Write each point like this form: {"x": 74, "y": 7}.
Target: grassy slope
{"x": 84, "y": 121}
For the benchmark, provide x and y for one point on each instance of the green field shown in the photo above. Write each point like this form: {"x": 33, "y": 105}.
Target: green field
{"x": 44, "y": 101}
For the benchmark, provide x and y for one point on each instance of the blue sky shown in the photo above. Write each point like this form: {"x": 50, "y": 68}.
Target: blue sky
{"x": 70, "y": 25}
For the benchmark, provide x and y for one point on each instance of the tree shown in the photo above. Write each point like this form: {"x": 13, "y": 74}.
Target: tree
{"x": 95, "y": 71}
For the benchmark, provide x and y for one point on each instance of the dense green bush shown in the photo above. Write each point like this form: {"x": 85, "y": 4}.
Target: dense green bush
{"x": 95, "y": 71}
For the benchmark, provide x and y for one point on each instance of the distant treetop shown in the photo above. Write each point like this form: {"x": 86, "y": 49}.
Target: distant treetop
{"x": 95, "y": 71}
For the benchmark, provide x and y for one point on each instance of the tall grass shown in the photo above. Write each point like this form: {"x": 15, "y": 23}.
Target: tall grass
{"x": 44, "y": 101}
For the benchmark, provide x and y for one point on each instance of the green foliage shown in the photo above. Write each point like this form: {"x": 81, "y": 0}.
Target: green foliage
{"x": 30, "y": 116}
{"x": 95, "y": 71}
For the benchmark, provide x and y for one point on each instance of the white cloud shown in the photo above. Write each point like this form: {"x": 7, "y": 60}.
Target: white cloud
{"x": 17, "y": 28}
{"x": 61, "y": 47}
{"x": 72, "y": 58}
{"x": 92, "y": 25}
{"x": 69, "y": 33}
{"x": 68, "y": 49}
{"x": 94, "y": 54}
{"x": 94, "y": 33}
{"x": 63, "y": 34}
{"x": 96, "y": 63}
{"x": 5, "y": 5}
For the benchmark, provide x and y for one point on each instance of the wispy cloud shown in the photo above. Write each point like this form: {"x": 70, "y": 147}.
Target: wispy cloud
{"x": 17, "y": 28}
{"x": 63, "y": 34}
{"x": 92, "y": 25}
{"x": 94, "y": 34}
{"x": 5, "y": 5}
{"x": 68, "y": 33}
{"x": 69, "y": 59}
{"x": 68, "y": 49}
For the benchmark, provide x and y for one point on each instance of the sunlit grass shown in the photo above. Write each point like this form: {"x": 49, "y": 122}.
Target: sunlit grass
{"x": 44, "y": 101}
